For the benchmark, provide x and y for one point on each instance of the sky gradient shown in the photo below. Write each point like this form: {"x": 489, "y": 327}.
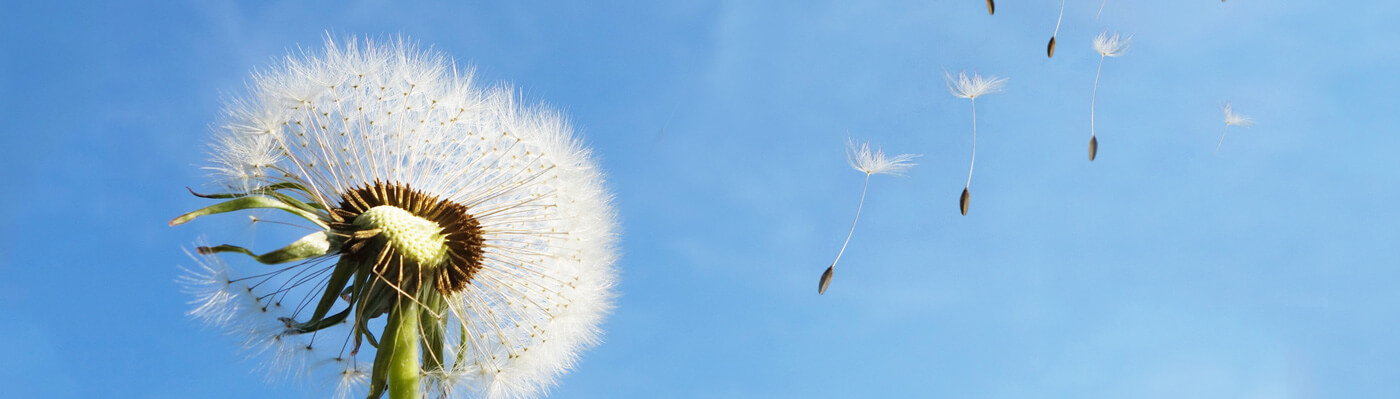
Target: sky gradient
{"x": 1267, "y": 269}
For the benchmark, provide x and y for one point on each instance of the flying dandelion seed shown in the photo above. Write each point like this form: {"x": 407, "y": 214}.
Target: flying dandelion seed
{"x": 1107, "y": 46}
{"x": 474, "y": 232}
{"x": 1050, "y": 48}
{"x": 971, "y": 88}
{"x": 870, "y": 162}
{"x": 1232, "y": 119}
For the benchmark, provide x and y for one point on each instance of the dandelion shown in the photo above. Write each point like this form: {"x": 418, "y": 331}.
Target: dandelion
{"x": 1232, "y": 119}
{"x": 1107, "y": 46}
{"x": 864, "y": 160}
{"x": 971, "y": 88}
{"x": 462, "y": 244}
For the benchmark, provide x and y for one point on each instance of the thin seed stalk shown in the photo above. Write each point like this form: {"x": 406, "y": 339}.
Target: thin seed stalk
{"x": 974, "y": 145}
{"x": 404, "y": 367}
{"x": 1222, "y": 137}
{"x": 1095, "y": 96}
{"x": 853, "y": 221}
{"x": 826, "y": 276}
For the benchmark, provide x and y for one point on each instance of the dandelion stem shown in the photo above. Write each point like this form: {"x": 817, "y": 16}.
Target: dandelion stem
{"x": 1096, "y": 16}
{"x": 853, "y": 222}
{"x": 404, "y": 369}
{"x": 1095, "y": 96}
{"x": 1222, "y": 137}
{"x": 974, "y": 145}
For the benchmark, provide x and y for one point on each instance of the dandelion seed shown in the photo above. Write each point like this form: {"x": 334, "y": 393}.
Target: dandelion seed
{"x": 1107, "y": 46}
{"x": 971, "y": 88}
{"x": 474, "y": 232}
{"x": 1232, "y": 119}
{"x": 870, "y": 162}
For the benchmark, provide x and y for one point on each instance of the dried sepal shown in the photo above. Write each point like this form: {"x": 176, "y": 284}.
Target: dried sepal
{"x": 251, "y": 202}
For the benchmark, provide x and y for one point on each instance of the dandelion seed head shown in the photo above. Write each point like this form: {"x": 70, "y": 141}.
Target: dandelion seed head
{"x": 975, "y": 86}
{"x": 1111, "y": 45}
{"x": 1234, "y": 119}
{"x": 508, "y": 218}
{"x": 874, "y": 162}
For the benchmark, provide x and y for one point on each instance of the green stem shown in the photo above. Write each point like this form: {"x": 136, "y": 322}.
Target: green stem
{"x": 404, "y": 369}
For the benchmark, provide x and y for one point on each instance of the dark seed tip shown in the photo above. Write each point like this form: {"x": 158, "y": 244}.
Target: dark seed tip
{"x": 1093, "y": 148}
{"x": 991, "y": 8}
{"x": 1050, "y": 49}
{"x": 826, "y": 280}
{"x": 962, "y": 202}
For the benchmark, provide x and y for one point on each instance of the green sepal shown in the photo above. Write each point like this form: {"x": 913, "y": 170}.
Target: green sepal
{"x": 462, "y": 340}
{"x": 310, "y": 246}
{"x": 250, "y": 202}
{"x": 271, "y": 191}
{"x": 379, "y": 376}
{"x": 305, "y": 206}
{"x": 433, "y": 324}
{"x": 359, "y": 299}
{"x": 335, "y": 287}
{"x": 372, "y": 303}
{"x": 260, "y": 190}
{"x": 318, "y": 324}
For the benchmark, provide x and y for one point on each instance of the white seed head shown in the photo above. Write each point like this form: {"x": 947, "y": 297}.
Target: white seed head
{"x": 874, "y": 162}
{"x": 1111, "y": 45}
{"x": 361, "y": 112}
{"x": 1234, "y": 119}
{"x": 975, "y": 86}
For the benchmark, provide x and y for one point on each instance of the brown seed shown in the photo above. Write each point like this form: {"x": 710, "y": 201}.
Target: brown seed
{"x": 991, "y": 8}
{"x": 1050, "y": 49}
{"x": 1093, "y": 148}
{"x": 962, "y": 202}
{"x": 826, "y": 279}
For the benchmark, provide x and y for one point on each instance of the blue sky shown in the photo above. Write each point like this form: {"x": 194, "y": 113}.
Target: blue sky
{"x": 1161, "y": 270}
